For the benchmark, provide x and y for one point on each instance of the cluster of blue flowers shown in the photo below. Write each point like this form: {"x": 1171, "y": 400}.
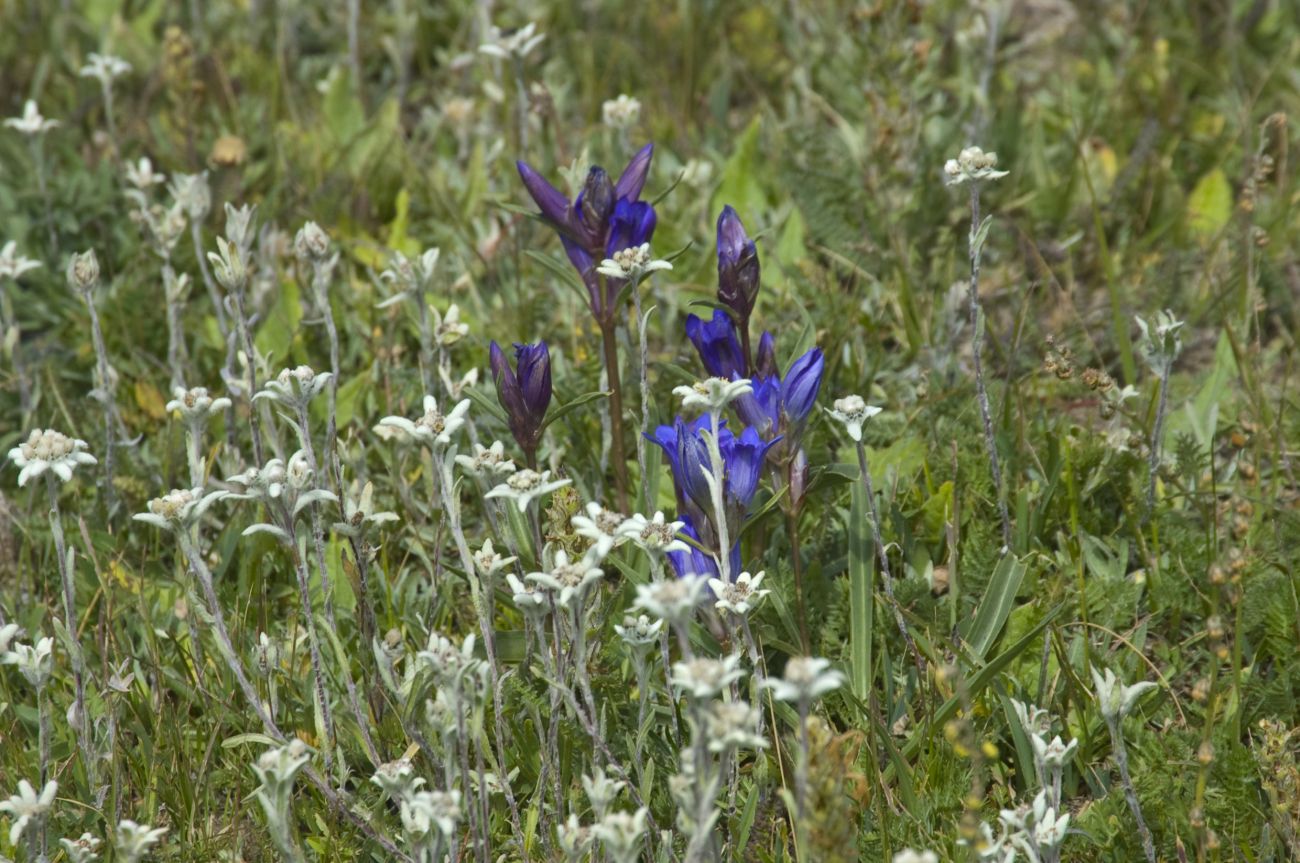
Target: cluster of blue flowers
{"x": 608, "y": 217}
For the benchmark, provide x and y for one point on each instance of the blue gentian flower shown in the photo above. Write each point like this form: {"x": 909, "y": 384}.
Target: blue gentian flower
{"x": 604, "y": 215}
{"x": 716, "y": 342}
{"x": 744, "y": 457}
{"x": 668, "y": 436}
{"x": 765, "y": 364}
{"x": 696, "y": 562}
{"x": 782, "y": 404}
{"x": 524, "y": 393}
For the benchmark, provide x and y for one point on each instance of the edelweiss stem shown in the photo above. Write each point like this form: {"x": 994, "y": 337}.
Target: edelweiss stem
{"x": 886, "y": 577}
{"x": 977, "y": 348}
{"x": 81, "y": 725}
{"x": 1157, "y": 436}
{"x": 1121, "y": 761}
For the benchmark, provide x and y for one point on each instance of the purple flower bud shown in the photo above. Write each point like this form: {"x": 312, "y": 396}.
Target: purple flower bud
{"x": 717, "y": 344}
{"x": 765, "y": 365}
{"x": 696, "y": 562}
{"x": 632, "y": 180}
{"x": 525, "y": 393}
{"x": 552, "y": 203}
{"x": 738, "y": 269}
{"x": 802, "y": 383}
{"x": 761, "y": 408}
{"x": 595, "y": 205}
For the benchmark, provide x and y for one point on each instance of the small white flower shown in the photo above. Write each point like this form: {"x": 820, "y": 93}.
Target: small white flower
{"x": 104, "y": 67}
{"x": 517, "y": 44}
{"x": 311, "y": 243}
{"x": 295, "y": 387}
{"x": 83, "y": 271}
{"x": 266, "y": 483}
{"x": 1050, "y": 828}
{"x": 7, "y": 633}
{"x": 574, "y": 839}
{"x": 432, "y": 427}
{"x": 27, "y": 806}
{"x": 1114, "y": 698}
{"x": 672, "y": 600}
{"x": 1034, "y": 720}
{"x": 639, "y": 632}
{"x": 621, "y": 113}
{"x": 456, "y": 388}
{"x": 655, "y": 535}
{"x": 133, "y": 840}
{"x": 426, "y": 810}
{"x": 1055, "y": 753}
{"x": 411, "y": 277}
{"x": 195, "y": 404}
{"x": 601, "y": 790}
{"x": 489, "y": 562}
{"x": 805, "y": 679}
{"x": 601, "y": 526}
{"x": 82, "y": 850}
{"x": 227, "y": 262}
{"x": 34, "y": 661}
{"x": 531, "y": 599}
{"x": 12, "y": 264}
{"x": 713, "y": 394}
{"x": 972, "y": 165}
{"x": 397, "y": 779}
{"x": 359, "y": 513}
{"x": 1161, "y": 340}
{"x": 191, "y": 192}
{"x": 704, "y": 677}
{"x": 447, "y": 329}
{"x": 907, "y": 855}
{"x": 621, "y": 832}
{"x": 31, "y": 122}
{"x": 732, "y": 726}
{"x": 179, "y": 508}
{"x": 278, "y": 766}
{"x": 142, "y": 175}
{"x": 568, "y": 581}
{"x": 632, "y": 264}
{"x": 489, "y": 462}
{"x": 49, "y": 450}
{"x": 525, "y": 485}
{"x": 853, "y": 411}
{"x": 740, "y": 596}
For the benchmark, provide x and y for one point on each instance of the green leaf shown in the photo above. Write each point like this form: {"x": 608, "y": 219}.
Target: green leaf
{"x": 860, "y": 590}
{"x": 275, "y": 335}
{"x": 740, "y": 185}
{"x": 994, "y": 608}
{"x": 1210, "y": 205}
{"x": 578, "y": 402}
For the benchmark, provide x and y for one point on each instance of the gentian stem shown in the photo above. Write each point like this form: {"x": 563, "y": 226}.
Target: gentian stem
{"x": 610, "y": 340}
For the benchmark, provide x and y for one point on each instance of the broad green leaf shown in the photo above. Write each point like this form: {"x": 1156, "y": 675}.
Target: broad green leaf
{"x": 995, "y": 606}
{"x": 1210, "y": 205}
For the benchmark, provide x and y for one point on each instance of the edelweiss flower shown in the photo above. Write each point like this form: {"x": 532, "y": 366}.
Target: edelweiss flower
{"x": 295, "y": 387}
{"x": 568, "y": 581}
{"x": 673, "y": 601}
{"x": 805, "y": 679}
{"x": 622, "y": 112}
{"x": 12, "y": 264}
{"x": 632, "y": 264}
{"x": 530, "y": 598}
{"x": 410, "y": 278}
{"x": 432, "y": 428}
{"x": 972, "y": 165}
{"x": 397, "y": 779}
{"x": 134, "y": 840}
{"x": 907, "y": 855}
{"x": 142, "y": 175}
{"x": 359, "y": 514}
{"x": 512, "y": 44}
{"x": 1055, "y": 753}
{"x": 621, "y": 832}
{"x": 49, "y": 450}
{"x": 487, "y": 461}
{"x": 525, "y": 485}
{"x": 27, "y": 806}
{"x": 655, "y": 535}
{"x": 740, "y": 596}
{"x": 854, "y": 412}
{"x": 31, "y": 122}
{"x": 1114, "y": 698}
{"x": 601, "y": 526}
{"x": 639, "y": 632}
{"x": 713, "y": 394}
{"x": 35, "y": 662}
{"x": 448, "y": 329}
{"x": 104, "y": 67}
{"x": 489, "y": 562}
{"x": 82, "y": 850}
{"x": 426, "y": 810}
{"x": 704, "y": 677}
{"x": 731, "y": 726}
{"x": 195, "y": 405}
{"x": 179, "y": 508}
{"x": 311, "y": 243}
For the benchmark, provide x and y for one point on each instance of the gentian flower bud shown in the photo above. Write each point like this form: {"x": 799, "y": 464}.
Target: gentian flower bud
{"x": 524, "y": 393}
{"x": 595, "y": 204}
{"x": 738, "y": 269}
{"x": 761, "y": 407}
{"x": 716, "y": 341}
{"x": 802, "y": 383}
{"x": 696, "y": 562}
{"x": 765, "y": 364}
